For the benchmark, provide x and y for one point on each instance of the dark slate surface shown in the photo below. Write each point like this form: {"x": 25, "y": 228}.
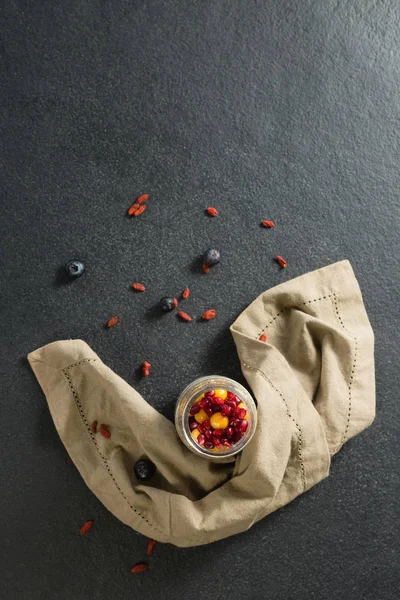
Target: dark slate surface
{"x": 286, "y": 110}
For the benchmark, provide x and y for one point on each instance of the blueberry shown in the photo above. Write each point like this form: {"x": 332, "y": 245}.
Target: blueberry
{"x": 144, "y": 469}
{"x": 212, "y": 257}
{"x": 167, "y": 304}
{"x": 75, "y": 268}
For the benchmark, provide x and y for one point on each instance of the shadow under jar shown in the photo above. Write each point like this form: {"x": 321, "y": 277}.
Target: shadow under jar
{"x": 206, "y": 425}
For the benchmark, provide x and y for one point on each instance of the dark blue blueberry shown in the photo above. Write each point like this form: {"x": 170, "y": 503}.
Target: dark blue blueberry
{"x": 167, "y": 304}
{"x": 144, "y": 469}
{"x": 75, "y": 268}
{"x": 211, "y": 257}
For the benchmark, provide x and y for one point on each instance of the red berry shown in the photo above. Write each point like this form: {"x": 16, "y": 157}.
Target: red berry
{"x": 201, "y": 439}
{"x": 193, "y": 424}
{"x": 203, "y": 403}
{"x": 209, "y": 411}
{"x": 231, "y": 396}
{"x": 243, "y": 426}
{"x": 206, "y": 425}
{"x": 208, "y": 445}
{"x": 233, "y": 422}
{"x": 200, "y": 427}
{"x": 241, "y": 413}
{"x": 226, "y": 410}
{"x": 231, "y": 403}
{"x": 195, "y": 409}
{"x": 218, "y": 433}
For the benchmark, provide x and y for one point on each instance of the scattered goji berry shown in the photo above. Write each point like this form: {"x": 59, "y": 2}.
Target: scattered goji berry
{"x": 186, "y": 293}
{"x": 86, "y": 527}
{"x": 205, "y": 267}
{"x": 212, "y": 211}
{"x": 146, "y": 366}
{"x": 184, "y": 316}
{"x": 139, "y": 287}
{"x": 268, "y": 224}
{"x": 105, "y": 432}
{"x": 175, "y": 303}
{"x": 150, "y": 547}
{"x": 209, "y": 314}
{"x": 113, "y": 321}
{"x": 93, "y": 427}
{"x": 140, "y": 210}
{"x": 281, "y": 261}
{"x": 263, "y": 337}
{"x": 140, "y": 567}
{"x": 142, "y": 198}
{"x": 133, "y": 208}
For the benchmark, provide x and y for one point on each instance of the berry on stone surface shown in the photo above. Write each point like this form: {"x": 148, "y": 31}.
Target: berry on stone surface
{"x": 144, "y": 469}
{"x": 211, "y": 257}
{"x": 167, "y": 304}
{"x": 75, "y": 268}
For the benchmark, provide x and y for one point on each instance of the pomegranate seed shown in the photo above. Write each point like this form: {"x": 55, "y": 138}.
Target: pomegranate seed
{"x": 208, "y": 445}
{"x": 238, "y": 436}
{"x": 193, "y": 425}
{"x": 243, "y": 426}
{"x": 231, "y": 403}
{"x": 195, "y": 409}
{"x": 219, "y": 401}
{"x": 226, "y": 410}
{"x": 201, "y": 439}
{"x": 227, "y": 444}
{"x": 206, "y": 425}
{"x": 229, "y": 432}
{"x": 209, "y": 411}
{"x": 211, "y": 393}
{"x": 231, "y": 396}
{"x": 241, "y": 413}
{"x": 200, "y": 427}
{"x": 232, "y": 423}
{"x": 218, "y": 432}
{"x": 203, "y": 403}
{"x": 208, "y": 435}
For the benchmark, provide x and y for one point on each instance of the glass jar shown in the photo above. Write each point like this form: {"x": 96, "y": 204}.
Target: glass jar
{"x": 188, "y": 398}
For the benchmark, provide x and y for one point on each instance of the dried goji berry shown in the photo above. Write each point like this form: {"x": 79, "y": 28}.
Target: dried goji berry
{"x": 184, "y": 316}
{"x": 142, "y": 198}
{"x": 86, "y": 527}
{"x": 175, "y": 303}
{"x": 133, "y": 208}
{"x": 212, "y": 211}
{"x": 150, "y": 547}
{"x": 186, "y": 293}
{"x": 105, "y": 432}
{"x": 205, "y": 267}
{"x": 93, "y": 427}
{"x": 146, "y": 366}
{"x": 113, "y": 321}
{"x": 209, "y": 314}
{"x": 263, "y": 337}
{"x": 268, "y": 224}
{"x": 140, "y": 210}
{"x": 139, "y": 287}
{"x": 281, "y": 261}
{"x": 140, "y": 567}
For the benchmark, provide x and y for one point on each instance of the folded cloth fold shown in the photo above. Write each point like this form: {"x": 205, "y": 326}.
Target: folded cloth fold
{"x": 313, "y": 379}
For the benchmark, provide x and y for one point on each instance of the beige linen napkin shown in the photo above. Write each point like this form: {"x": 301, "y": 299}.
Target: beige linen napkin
{"x": 314, "y": 383}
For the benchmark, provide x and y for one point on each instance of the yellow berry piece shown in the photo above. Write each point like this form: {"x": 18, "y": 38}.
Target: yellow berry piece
{"x": 198, "y": 399}
{"x": 217, "y": 448}
{"x": 221, "y": 393}
{"x": 201, "y": 416}
{"x": 218, "y": 421}
{"x": 242, "y": 405}
{"x": 195, "y": 434}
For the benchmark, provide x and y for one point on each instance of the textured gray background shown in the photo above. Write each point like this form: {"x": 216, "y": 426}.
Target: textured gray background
{"x": 267, "y": 109}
